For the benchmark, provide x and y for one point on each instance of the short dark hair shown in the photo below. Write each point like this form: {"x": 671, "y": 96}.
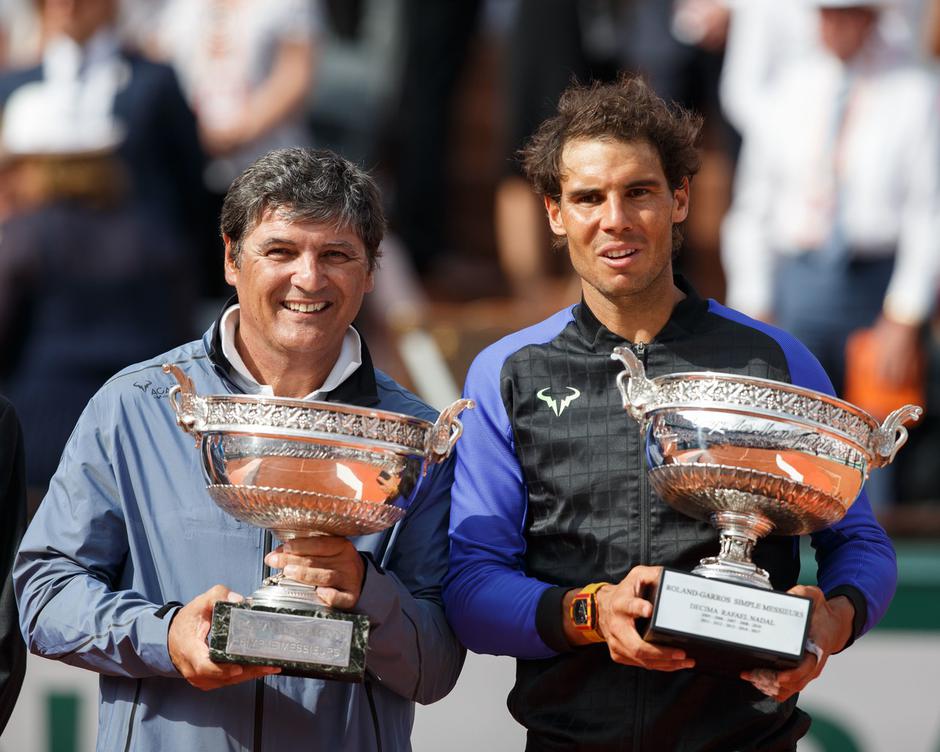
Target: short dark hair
{"x": 625, "y": 110}
{"x": 308, "y": 185}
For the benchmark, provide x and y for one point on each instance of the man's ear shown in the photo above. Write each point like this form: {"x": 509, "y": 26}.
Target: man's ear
{"x": 231, "y": 270}
{"x": 680, "y": 199}
{"x": 553, "y": 210}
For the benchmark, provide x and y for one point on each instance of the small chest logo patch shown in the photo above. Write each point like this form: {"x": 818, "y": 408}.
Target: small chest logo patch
{"x": 558, "y": 407}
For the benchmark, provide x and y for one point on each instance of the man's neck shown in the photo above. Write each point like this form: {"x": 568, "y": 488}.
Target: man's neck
{"x": 285, "y": 376}
{"x": 639, "y": 317}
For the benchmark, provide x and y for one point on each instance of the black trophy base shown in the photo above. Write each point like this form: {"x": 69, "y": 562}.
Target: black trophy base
{"x": 725, "y": 626}
{"x": 314, "y": 642}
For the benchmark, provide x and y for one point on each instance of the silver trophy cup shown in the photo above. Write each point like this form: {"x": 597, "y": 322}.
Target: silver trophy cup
{"x": 752, "y": 457}
{"x": 301, "y": 468}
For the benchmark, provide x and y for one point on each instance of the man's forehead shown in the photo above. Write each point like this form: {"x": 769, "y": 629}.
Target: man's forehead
{"x": 585, "y": 158}
{"x": 284, "y": 220}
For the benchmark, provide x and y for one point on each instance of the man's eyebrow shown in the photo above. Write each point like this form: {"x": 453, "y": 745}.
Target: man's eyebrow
{"x": 276, "y": 241}
{"x": 587, "y": 190}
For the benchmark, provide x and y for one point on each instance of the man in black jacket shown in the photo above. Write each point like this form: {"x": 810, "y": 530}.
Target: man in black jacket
{"x": 12, "y": 525}
{"x": 551, "y": 499}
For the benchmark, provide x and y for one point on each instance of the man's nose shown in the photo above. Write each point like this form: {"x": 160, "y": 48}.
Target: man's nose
{"x": 307, "y": 273}
{"x": 616, "y": 215}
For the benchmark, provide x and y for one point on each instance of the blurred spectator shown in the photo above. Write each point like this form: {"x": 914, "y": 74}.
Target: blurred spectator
{"x": 549, "y": 44}
{"x": 20, "y": 34}
{"x": 437, "y": 37}
{"x": 834, "y": 222}
{"x": 678, "y": 46}
{"x": 358, "y": 77}
{"x": 89, "y": 280}
{"x": 13, "y": 516}
{"x": 246, "y": 68}
{"x": 764, "y": 37}
{"x": 160, "y": 148}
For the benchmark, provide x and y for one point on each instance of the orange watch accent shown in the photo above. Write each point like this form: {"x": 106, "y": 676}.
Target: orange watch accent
{"x": 583, "y": 611}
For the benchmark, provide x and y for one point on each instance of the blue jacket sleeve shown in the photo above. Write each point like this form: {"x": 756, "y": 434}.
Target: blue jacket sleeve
{"x": 71, "y": 560}
{"x": 489, "y": 600}
{"x": 855, "y": 556}
{"x": 412, "y": 649}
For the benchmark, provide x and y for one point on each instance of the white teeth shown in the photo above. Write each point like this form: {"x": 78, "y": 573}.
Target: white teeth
{"x": 305, "y": 307}
{"x": 620, "y": 254}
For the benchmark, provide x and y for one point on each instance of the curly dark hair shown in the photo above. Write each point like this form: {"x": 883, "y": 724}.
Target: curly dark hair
{"x": 625, "y": 110}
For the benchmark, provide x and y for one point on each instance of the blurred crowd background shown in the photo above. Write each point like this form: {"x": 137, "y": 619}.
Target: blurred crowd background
{"x": 123, "y": 122}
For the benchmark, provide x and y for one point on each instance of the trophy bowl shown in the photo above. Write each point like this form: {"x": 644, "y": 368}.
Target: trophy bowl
{"x": 302, "y": 468}
{"x": 754, "y": 456}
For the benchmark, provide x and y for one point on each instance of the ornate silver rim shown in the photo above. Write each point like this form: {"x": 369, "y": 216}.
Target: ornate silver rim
{"x": 302, "y": 419}
{"x": 764, "y": 397}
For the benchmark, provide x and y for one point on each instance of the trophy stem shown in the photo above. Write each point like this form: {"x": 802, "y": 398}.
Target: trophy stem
{"x": 279, "y": 591}
{"x": 739, "y": 532}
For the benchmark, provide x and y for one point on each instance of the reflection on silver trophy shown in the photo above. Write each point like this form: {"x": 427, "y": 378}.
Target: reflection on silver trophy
{"x": 301, "y": 468}
{"x": 752, "y": 457}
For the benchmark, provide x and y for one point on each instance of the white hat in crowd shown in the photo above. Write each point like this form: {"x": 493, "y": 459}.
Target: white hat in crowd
{"x": 51, "y": 118}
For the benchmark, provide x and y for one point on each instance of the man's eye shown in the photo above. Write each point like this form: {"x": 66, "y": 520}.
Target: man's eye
{"x": 334, "y": 255}
{"x": 588, "y": 199}
{"x": 638, "y": 192}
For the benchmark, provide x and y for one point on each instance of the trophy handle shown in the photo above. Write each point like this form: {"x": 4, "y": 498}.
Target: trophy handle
{"x": 893, "y": 435}
{"x": 636, "y": 390}
{"x": 445, "y": 432}
{"x": 188, "y": 407}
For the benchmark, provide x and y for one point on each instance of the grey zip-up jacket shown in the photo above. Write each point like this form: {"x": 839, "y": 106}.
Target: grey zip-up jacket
{"x": 128, "y": 527}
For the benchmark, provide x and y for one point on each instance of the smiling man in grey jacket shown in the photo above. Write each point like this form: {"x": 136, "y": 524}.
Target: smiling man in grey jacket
{"x": 128, "y": 533}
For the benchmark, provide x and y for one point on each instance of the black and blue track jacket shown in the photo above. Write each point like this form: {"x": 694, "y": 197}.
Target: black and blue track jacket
{"x": 551, "y": 493}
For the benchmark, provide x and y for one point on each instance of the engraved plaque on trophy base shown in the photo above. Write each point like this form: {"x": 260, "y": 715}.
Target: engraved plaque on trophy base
{"x": 312, "y": 642}
{"x": 726, "y": 626}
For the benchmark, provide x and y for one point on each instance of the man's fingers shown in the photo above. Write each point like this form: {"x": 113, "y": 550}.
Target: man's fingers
{"x": 637, "y": 608}
{"x": 637, "y": 652}
{"x": 804, "y": 671}
{"x": 226, "y": 674}
{"x": 808, "y": 591}
{"x": 319, "y": 545}
{"x": 213, "y": 594}
{"x": 643, "y": 576}
{"x": 313, "y": 575}
{"x": 781, "y": 685}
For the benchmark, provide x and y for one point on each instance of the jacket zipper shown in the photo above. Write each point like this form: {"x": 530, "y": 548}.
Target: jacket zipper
{"x": 640, "y": 349}
{"x": 259, "y": 683}
{"x": 375, "y": 717}
{"x": 130, "y": 721}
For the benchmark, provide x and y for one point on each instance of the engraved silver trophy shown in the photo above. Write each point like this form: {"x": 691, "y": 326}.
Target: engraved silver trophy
{"x": 300, "y": 468}
{"x": 752, "y": 457}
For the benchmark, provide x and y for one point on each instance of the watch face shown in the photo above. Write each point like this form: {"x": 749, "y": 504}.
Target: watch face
{"x": 581, "y": 612}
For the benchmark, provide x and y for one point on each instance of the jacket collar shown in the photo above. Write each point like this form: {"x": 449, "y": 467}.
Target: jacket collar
{"x": 359, "y": 389}
{"x": 682, "y": 321}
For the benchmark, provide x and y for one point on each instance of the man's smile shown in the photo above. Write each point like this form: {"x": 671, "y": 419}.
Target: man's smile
{"x": 618, "y": 252}
{"x": 298, "y": 307}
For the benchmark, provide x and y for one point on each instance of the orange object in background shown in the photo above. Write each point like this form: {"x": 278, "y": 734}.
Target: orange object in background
{"x": 864, "y": 389}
